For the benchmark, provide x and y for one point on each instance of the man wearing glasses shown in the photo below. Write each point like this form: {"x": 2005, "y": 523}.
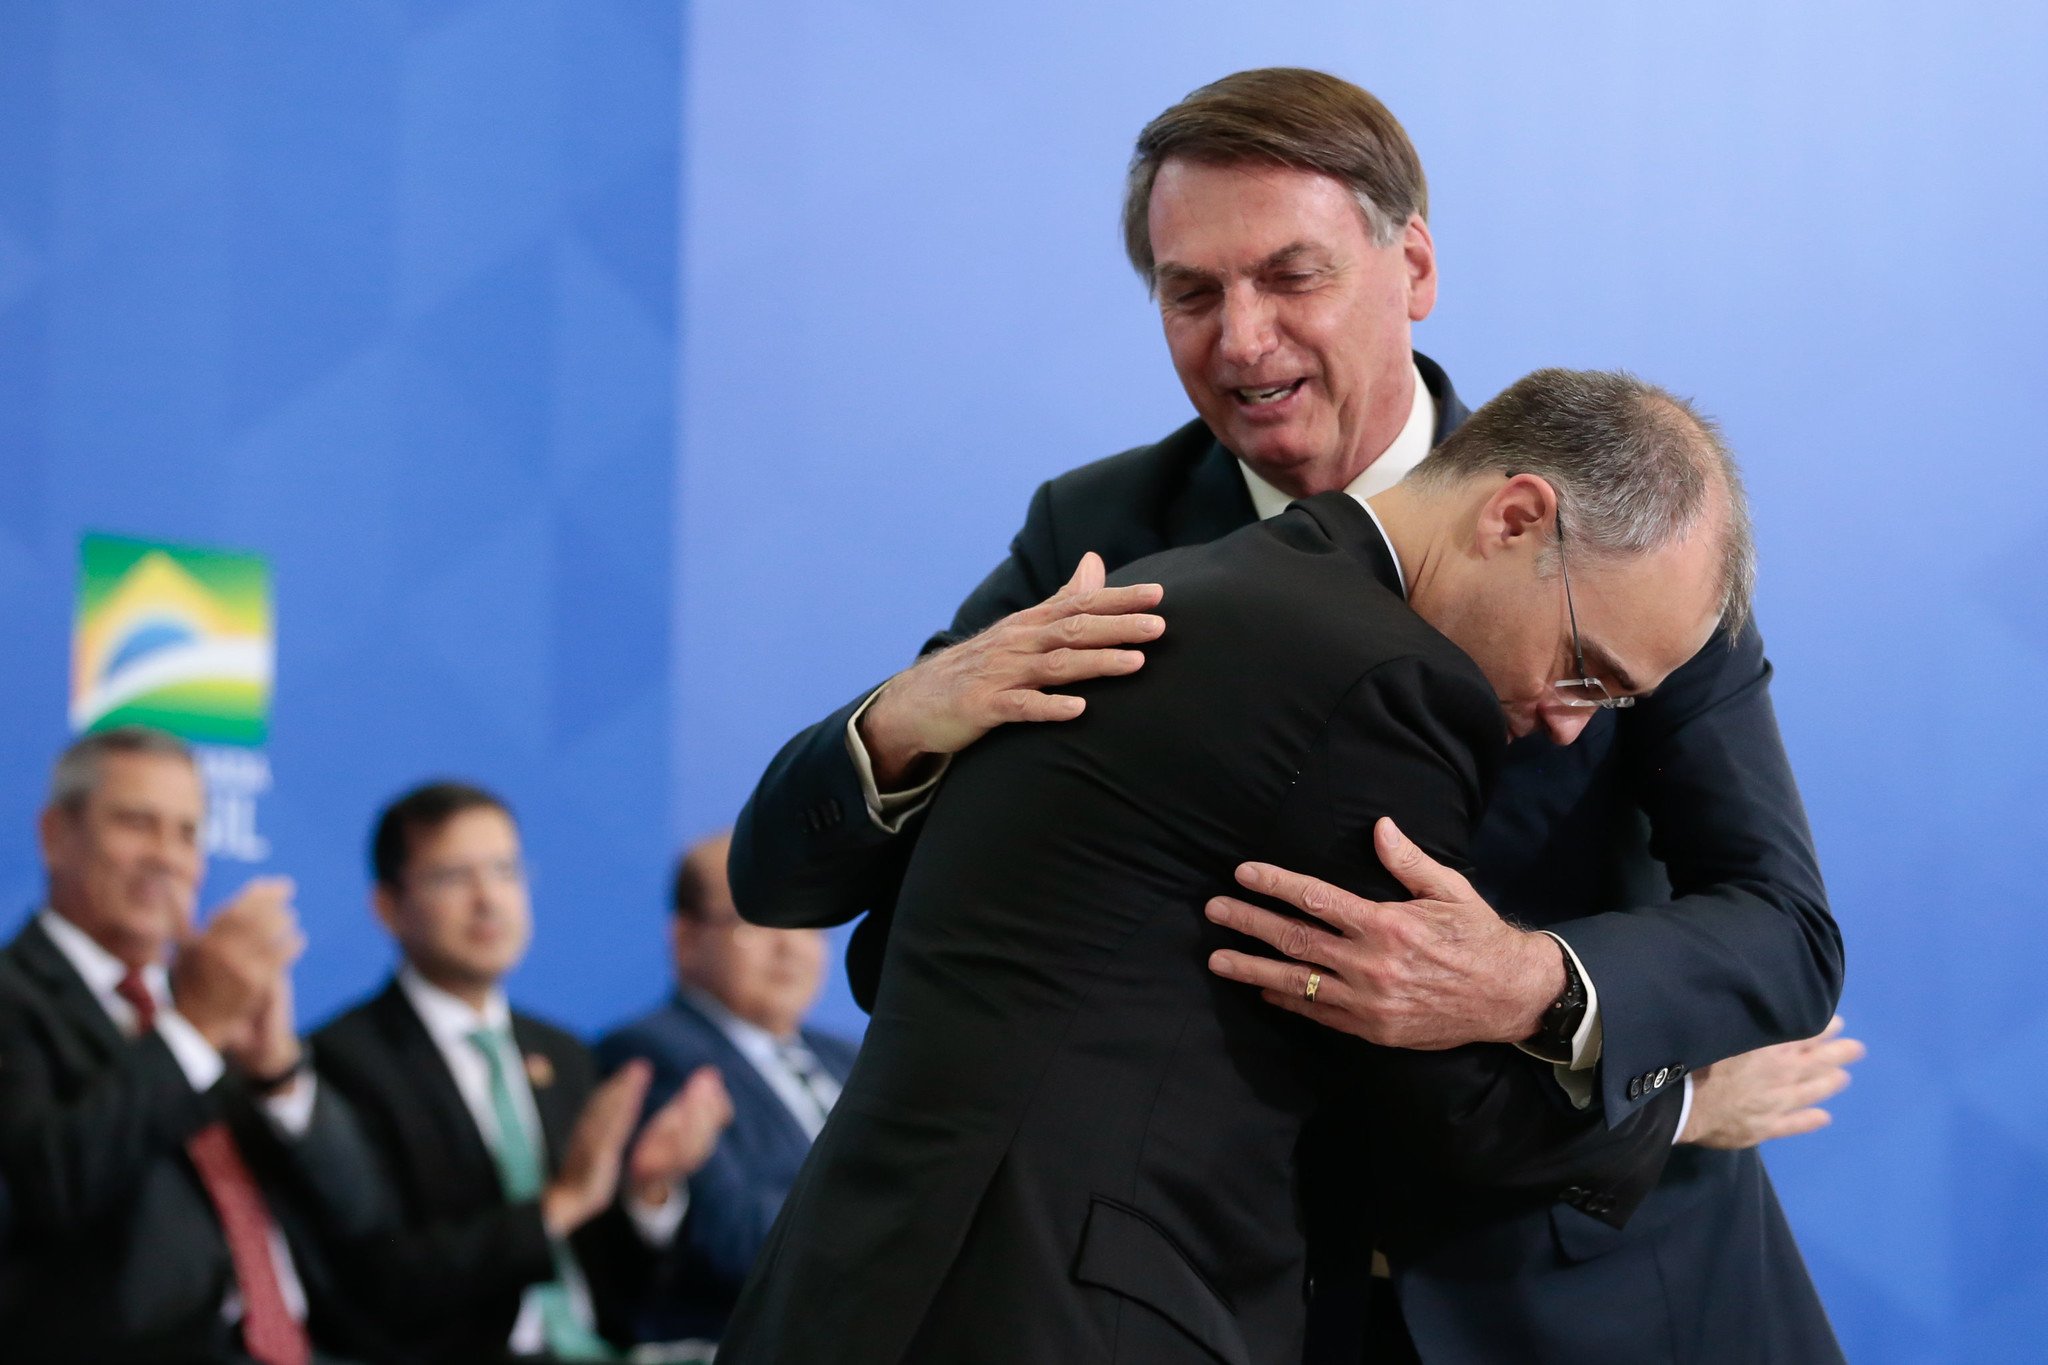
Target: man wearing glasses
{"x": 1279, "y": 218}
{"x": 531, "y": 1216}
{"x": 1066, "y": 1139}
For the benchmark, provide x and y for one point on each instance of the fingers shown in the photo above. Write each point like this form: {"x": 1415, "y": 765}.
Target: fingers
{"x": 609, "y": 1113}
{"x": 1328, "y": 903}
{"x": 1301, "y": 941}
{"x": 1282, "y": 978}
{"x": 1088, "y": 575}
{"x": 1095, "y": 601}
{"x": 1100, "y": 632}
{"x": 1423, "y": 875}
{"x": 1794, "y": 1124}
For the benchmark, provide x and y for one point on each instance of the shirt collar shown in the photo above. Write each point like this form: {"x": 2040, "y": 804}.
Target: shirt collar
{"x": 750, "y": 1038}
{"x": 99, "y": 969}
{"x": 1406, "y": 452}
{"x": 451, "y": 1021}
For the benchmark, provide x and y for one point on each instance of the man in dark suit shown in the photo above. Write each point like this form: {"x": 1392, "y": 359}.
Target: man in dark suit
{"x": 173, "y": 1167}
{"x": 1665, "y": 857}
{"x": 1068, "y": 1141}
{"x": 741, "y": 995}
{"x": 529, "y": 1215}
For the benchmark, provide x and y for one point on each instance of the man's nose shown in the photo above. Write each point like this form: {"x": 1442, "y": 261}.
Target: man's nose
{"x": 1566, "y": 723}
{"x": 1248, "y": 332}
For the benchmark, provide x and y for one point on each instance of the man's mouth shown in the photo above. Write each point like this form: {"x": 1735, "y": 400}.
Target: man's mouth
{"x": 1265, "y": 397}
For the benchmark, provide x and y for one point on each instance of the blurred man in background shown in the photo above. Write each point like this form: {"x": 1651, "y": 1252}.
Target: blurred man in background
{"x": 742, "y": 992}
{"x": 173, "y": 1165}
{"x": 531, "y": 1217}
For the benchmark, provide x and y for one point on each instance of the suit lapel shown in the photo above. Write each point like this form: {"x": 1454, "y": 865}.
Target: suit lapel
{"x": 1213, "y": 502}
{"x": 750, "y": 1089}
{"x": 558, "y": 1109}
{"x": 440, "y": 1116}
{"x": 41, "y": 960}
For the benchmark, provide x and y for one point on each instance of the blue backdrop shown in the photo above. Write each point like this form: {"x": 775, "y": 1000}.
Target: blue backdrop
{"x": 390, "y": 292}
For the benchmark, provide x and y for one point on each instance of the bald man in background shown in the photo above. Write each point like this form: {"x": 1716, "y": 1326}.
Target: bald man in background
{"x": 741, "y": 995}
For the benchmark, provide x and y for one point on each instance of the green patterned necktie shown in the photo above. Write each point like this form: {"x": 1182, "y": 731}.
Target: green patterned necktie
{"x": 521, "y": 1176}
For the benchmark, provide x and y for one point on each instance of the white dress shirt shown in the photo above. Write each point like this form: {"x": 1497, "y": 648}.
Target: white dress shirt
{"x": 763, "y": 1050}
{"x": 450, "y": 1022}
{"x": 290, "y": 1112}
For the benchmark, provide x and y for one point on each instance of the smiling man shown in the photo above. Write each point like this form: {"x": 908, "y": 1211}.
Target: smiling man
{"x": 1663, "y": 902}
{"x": 531, "y": 1216}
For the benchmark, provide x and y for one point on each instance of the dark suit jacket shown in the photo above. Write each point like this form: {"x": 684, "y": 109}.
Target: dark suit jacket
{"x": 445, "y": 1285}
{"x": 117, "y": 1254}
{"x": 1668, "y": 845}
{"x": 1066, "y": 1140}
{"x": 735, "y": 1197}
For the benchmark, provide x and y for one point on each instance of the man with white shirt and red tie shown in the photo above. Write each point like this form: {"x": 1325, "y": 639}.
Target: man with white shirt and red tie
{"x": 173, "y": 1165}
{"x": 531, "y": 1214}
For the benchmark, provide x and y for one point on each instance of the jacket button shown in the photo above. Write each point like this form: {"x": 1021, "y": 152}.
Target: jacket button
{"x": 1677, "y": 1070}
{"x": 1663, "y": 1075}
{"x": 1572, "y": 1194}
{"x": 1635, "y": 1088}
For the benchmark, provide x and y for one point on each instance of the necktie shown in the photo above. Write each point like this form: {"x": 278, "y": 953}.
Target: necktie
{"x": 811, "y": 1074}
{"x": 521, "y": 1176}
{"x": 269, "y": 1331}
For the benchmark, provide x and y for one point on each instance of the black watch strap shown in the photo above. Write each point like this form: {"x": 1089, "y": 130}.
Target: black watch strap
{"x": 1552, "y": 1039}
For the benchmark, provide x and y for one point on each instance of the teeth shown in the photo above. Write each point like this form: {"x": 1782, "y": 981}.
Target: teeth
{"x": 1265, "y": 395}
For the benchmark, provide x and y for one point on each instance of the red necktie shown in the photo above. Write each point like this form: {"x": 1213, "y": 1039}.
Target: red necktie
{"x": 269, "y": 1331}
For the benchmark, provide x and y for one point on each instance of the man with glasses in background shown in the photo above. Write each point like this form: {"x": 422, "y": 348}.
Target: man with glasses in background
{"x": 531, "y": 1216}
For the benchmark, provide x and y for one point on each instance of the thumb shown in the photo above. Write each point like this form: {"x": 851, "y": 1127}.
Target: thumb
{"x": 1424, "y": 876}
{"x": 1088, "y": 574}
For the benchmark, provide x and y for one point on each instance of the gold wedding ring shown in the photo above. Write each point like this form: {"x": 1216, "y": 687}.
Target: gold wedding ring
{"x": 1308, "y": 990}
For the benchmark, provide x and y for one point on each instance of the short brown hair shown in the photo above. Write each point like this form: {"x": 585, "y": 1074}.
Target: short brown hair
{"x": 1635, "y": 467}
{"x": 416, "y": 814}
{"x": 1282, "y": 116}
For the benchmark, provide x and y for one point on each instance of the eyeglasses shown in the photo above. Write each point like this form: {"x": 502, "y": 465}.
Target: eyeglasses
{"x": 1584, "y": 691}
{"x": 503, "y": 873}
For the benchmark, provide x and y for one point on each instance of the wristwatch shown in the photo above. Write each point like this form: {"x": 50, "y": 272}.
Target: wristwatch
{"x": 1552, "y": 1040}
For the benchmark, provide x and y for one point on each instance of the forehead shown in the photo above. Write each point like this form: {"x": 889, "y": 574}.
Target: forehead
{"x": 1654, "y": 612}
{"x": 481, "y": 831}
{"x": 1207, "y": 216}
{"x": 160, "y": 782}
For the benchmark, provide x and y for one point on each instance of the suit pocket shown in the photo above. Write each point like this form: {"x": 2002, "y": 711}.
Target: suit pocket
{"x": 1126, "y": 1253}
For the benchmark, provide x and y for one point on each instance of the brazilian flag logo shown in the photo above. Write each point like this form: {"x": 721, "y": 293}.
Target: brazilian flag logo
{"x": 172, "y": 637}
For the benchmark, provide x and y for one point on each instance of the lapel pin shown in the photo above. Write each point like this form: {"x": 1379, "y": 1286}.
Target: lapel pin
{"x": 539, "y": 1070}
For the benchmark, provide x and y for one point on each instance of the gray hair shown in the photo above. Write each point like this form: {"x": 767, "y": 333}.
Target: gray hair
{"x": 1282, "y": 116}
{"x": 80, "y": 767}
{"x": 1634, "y": 467}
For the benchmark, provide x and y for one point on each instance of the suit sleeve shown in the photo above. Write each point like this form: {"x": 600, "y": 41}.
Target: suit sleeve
{"x": 1746, "y": 952}
{"x": 1418, "y": 743}
{"x": 72, "y": 1161}
{"x": 804, "y": 853}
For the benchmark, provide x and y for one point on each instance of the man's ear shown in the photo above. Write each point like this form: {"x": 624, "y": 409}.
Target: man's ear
{"x": 1518, "y": 515}
{"x": 1419, "y": 250}
{"x": 55, "y": 829}
{"x": 385, "y": 906}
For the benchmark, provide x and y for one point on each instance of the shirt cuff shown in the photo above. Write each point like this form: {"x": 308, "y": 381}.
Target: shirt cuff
{"x": 1684, "y": 1112}
{"x": 888, "y": 810}
{"x": 291, "y": 1109}
{"x": 198, "y": 1059}
{"x": 1576, "y": 1075}
{"x": 657, "y": 1223}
